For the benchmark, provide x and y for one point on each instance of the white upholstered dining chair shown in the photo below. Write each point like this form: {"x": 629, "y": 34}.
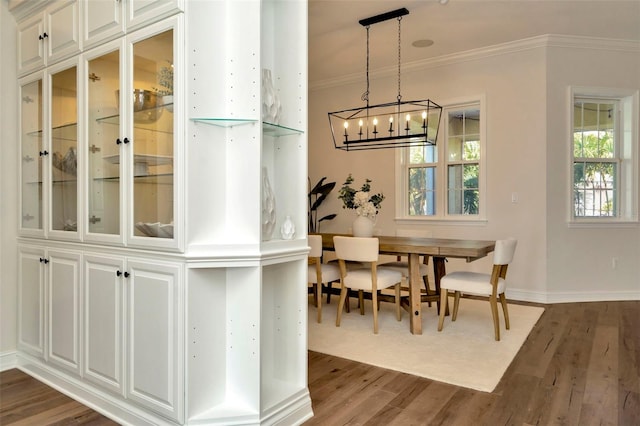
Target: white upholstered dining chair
{"x": 491, "y": 286}
{"x": 370, "y": 278}
{"x": 319, "y": 273}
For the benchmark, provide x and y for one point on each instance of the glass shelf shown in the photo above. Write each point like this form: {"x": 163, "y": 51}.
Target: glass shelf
{"x": 146, "y": 119}
{"x": 225, "y": 122}
{"x": 163, "y": 178}
{"x": 268, "y": 129}
{"x": 65, "y": 132}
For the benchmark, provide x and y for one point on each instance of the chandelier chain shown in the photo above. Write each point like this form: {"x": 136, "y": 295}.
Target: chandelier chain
{"x": 399, "y": 40}
{"x": 365, "y": 95}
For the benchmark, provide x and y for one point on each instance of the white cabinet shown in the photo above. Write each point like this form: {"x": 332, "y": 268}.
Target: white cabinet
{"x": 31, "y": 300}
{"x": 48, "y": 36}
{"x": 63, "y": 308}
{"x": 106, "y": 20}
{"x": 133, "y": 325}
{"x": 155, "y": 336}
{"x": 192, "y": 306}
{"x": 49, "y": 296}
{"x": 49, "y": 152}
{"x": 133, "y": 158}
{"x": 103, "y": 20}
{"x": 104, "y": 334}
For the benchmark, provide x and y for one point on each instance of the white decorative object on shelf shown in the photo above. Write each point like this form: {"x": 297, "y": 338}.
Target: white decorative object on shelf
{"x": 288, "y": 229}
{"x": 271, "y": 107}
{"x": 363, "y": 227}
{"x": 268, "y": 207}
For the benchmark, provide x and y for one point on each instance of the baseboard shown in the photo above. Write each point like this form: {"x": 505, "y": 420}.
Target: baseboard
{"x": 571, "y": 296}
{"x": 8, "y": 360}
{"x": 294, "y": 411}
{"x": 102, "y": 402}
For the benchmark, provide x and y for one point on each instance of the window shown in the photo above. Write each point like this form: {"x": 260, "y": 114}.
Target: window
{"x": 446, "y": 181}
{"x": 604, "y": 157}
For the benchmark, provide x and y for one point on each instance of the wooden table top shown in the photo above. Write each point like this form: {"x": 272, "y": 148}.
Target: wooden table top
{"x": 441, "y": 247}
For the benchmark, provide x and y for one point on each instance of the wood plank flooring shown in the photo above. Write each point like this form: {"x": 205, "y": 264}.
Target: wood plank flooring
{"x": 579, "y": 366}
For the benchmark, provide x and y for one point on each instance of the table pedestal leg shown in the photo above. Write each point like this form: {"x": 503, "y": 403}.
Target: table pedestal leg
{"x": 415, "y": 283}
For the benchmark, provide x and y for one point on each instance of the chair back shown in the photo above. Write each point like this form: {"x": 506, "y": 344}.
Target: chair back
{"x": 356, "y": 248}
{"x": 504, "y": 251}
{"x": 315, "y": 243}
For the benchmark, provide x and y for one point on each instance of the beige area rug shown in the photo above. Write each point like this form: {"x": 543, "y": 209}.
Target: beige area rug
{"x": 464, "y": 353}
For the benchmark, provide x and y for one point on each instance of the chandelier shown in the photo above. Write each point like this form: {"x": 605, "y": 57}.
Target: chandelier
{"x": 390, "y": 125}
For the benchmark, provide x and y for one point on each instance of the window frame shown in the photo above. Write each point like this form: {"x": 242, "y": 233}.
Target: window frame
{"x": 626, "y": 149}
{"x": 441, "y": 170}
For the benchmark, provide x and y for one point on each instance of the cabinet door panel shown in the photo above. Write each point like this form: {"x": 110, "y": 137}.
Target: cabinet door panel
{"x": 141, "y": 12}
{"x": 154, "y": 336}
{"x": 104, "y": 185}
{"x": 31, "y": 301}
{"x": 103, "y": 321}
{"x": 64, "y": 309}
{"x": 64, "y": 152}
{"x": 63, "y": 26}
{"x": 30, "y": 44}
{"x": 31, "y": 150}
{"x": 102, "y": 21}
{"x": 153, "y": 141}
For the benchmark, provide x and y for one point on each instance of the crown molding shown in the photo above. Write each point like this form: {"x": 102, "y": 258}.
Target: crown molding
{"x": 543, "y": 41}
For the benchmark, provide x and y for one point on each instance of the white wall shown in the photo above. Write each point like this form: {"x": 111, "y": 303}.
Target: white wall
{"x": 580, "y": 259}
{"x": 513, "y": 77}
{"x": 8, "y": 189}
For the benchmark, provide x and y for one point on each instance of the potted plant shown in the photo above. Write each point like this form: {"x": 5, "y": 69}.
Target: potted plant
{"x": 316, "y": 196}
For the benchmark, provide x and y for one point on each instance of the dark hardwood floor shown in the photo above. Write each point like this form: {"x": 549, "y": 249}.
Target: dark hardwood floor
{"x": 579, "y": 366}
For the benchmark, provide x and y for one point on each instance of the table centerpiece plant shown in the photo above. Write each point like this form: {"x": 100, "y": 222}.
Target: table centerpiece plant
{"x": 364, "y": 202}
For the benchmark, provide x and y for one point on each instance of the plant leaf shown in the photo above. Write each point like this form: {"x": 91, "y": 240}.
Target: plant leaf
{"x": 318, "y": 185}
{"x": 328, "y": 217}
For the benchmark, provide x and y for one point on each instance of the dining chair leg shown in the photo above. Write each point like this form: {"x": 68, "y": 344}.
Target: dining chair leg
{"x": 343, "y": 295}
{"x": 494, "y": 312}
{"x": 374, "y": 302}
{"x": 456, "y": 303}
{"x": 318, "y": 297}
{"x": 443, "y": 307}
{"x": 503, "y": 302}
{"x": 361, "y": 301}
{"x": 398, "y": 310}
{"x": 329, "y": 289}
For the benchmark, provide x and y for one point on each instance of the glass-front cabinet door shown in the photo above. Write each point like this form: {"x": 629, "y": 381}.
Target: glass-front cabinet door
{"x": 153, "y": 137}
{"x": 130, "y": 125}
{"x": 63, "y": 131}
{"x": 32, "y": 152}
{"x": 104, "y": 142}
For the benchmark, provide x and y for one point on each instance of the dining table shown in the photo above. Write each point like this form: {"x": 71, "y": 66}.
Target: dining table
{"x": 413, "y": 247}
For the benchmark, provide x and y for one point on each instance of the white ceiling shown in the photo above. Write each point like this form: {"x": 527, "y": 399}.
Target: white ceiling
{"x": 337, "y": 42}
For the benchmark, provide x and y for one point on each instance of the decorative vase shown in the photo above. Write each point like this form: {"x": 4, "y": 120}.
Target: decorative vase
{"x": 288, "y": 229}
{"x": 363, "y": 227}
{"x": 268, "y": 207}
{"x": 271, "y": 107}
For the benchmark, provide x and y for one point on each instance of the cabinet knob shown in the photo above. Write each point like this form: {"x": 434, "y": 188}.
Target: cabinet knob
{"x": 126, "y": 140}
{"x": 43, "y": 153}
{"x": 118, "y": 273}
{"x": 45, "y": 35}
{"x": 126, "y": 275}
{"x": 44, "y": 260}
{"x": 118, "y": 141}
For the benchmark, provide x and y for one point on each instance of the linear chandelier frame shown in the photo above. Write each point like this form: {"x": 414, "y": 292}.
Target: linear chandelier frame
{"x": 390, "y": 125}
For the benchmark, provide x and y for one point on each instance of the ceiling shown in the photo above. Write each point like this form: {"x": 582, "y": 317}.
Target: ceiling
{"x": 337, "y": 42}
